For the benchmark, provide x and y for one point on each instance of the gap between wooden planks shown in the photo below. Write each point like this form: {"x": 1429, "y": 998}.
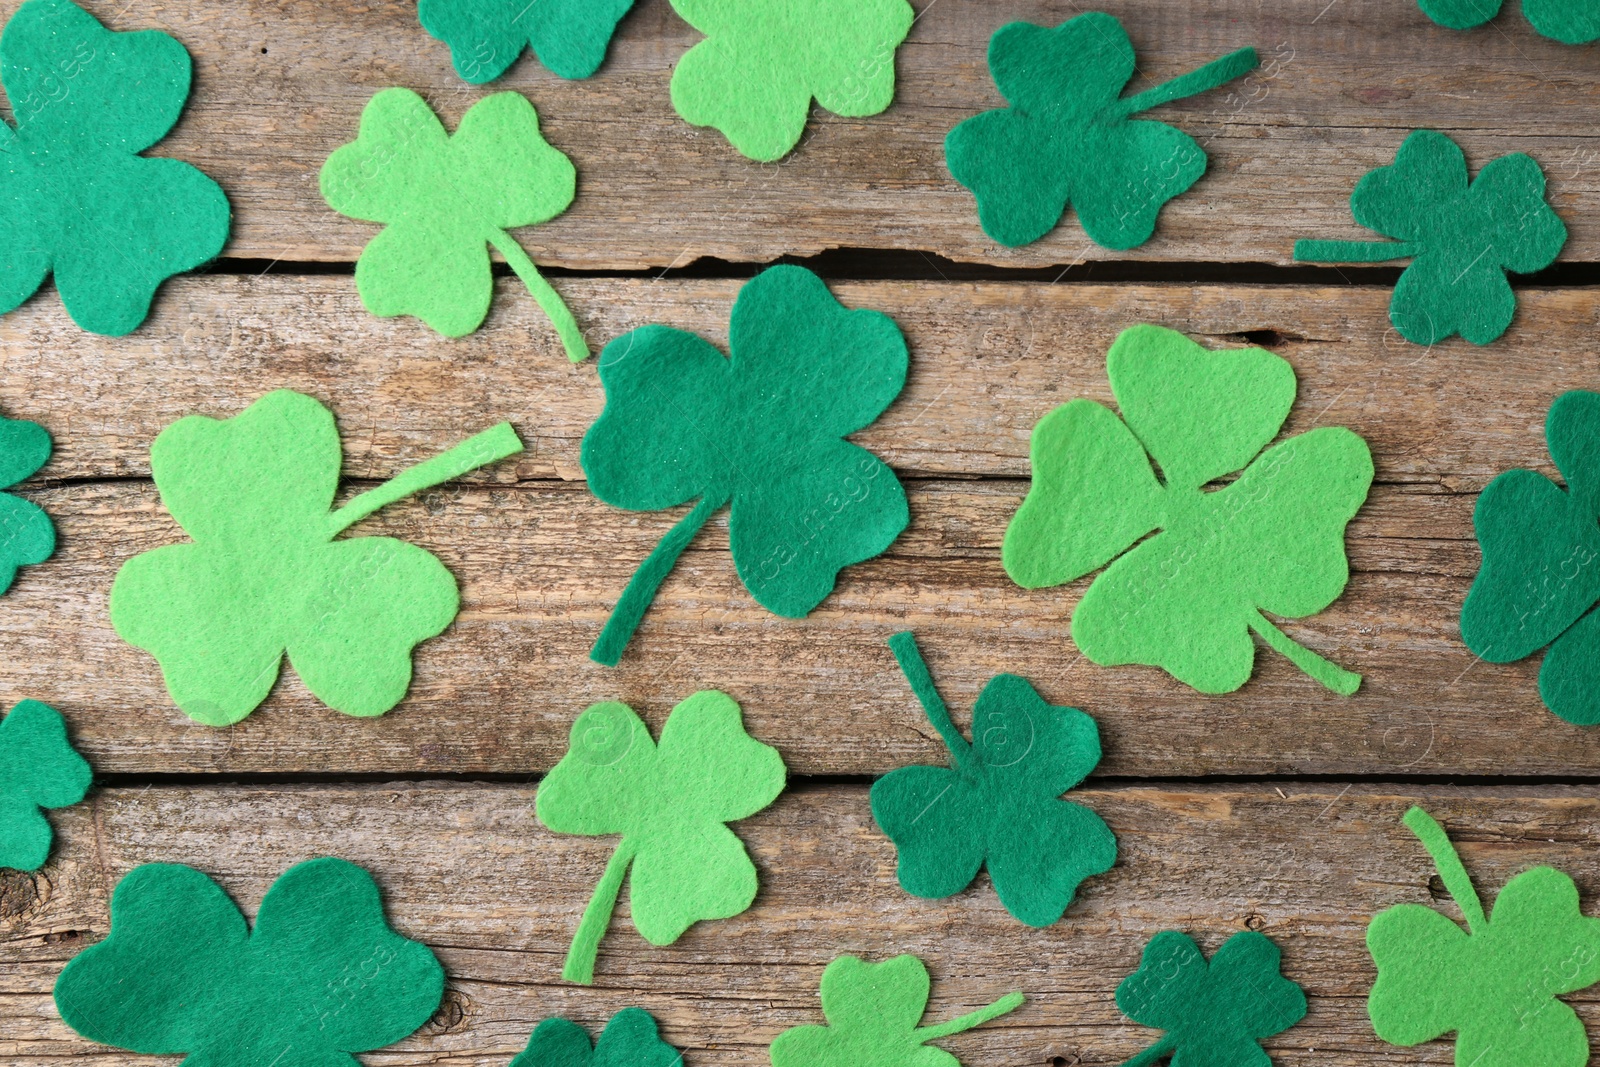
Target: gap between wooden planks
{"x": 468, "y": 870}
{"x": 280, "y": 84}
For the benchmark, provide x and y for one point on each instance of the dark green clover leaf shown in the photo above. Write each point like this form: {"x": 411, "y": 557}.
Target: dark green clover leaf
{"x": 630, "y": 1039}
{"x": 1541, "y": 565}
{"x": 1069, "y": 136}
{"x": 76, "y": 198}
{"x": 570, "y": 37}
{"x": 320, "y": 977}
{"x": 873, "y": 1010}
{"x": 1271, "y": 540}
{"x": 1214, "y": 1014}
{"x": 999, "y": 805}
{"x": 1567, "y": 21}
{"x": 763, "y": 429}
{"x": 38, "y": 769}
{"x": 1461, "y": 237}
{"x": 28, "y": 535}
{"x": 1495, "y": 984}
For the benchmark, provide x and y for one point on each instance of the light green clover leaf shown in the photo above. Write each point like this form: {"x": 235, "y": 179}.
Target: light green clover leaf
{"x": 445, "y": 199}
{"x": 755, "y": 74}
{"x": 266, "y": 575}
{"x": 1272, "y": 540}
{"x": 1496, "y": 983}
{"x": 669, "y": 801}
{"x": 873, "y": 1010}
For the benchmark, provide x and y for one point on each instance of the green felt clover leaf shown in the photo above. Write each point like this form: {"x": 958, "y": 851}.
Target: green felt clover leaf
{"x": 1567, "y": 21}
{"x": 1461, "y": 237}
{"x": 1068, "y": 136}
{"x": 1272, "y": 540}
{"x": 755, "y": 74}
{"x": 444, "y": 200}
{"x": 76, "y": 198}
{"x": 320, "y": 977}
{"x": 1216, "y": 1013}
{"x": 630, "y": 1039}
{"x": 669, "y": 801}
{"x": 570, "y": 37}
{"x": 763, "y": 429}
{"x": 266, "y": 575}
{"x": 1494, "y": 984}
{"x": 38, "y": 769}
{"x": 29, "y": 536}
{"x": 999, "y": 805}
{"x": 873, "y": 1010}
{"x": 1539, "y": 577}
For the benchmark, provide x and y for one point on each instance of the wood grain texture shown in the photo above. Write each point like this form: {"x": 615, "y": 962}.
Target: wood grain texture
{"x": 541, "y": 562}
{"x": 467, "y": 870}
{"x": 988, "y": 359}
{"x": 540, "y": 569}
{"x": 279, "y": 84}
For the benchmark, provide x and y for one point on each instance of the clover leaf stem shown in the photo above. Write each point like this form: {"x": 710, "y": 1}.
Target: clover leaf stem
{"x": 546, "y": 297}
{"x": 1448, "y": 863}
{"x": 579, "y": 967}
{"x": 1205, "y": 78}
{"x": 915, "y": 668}
{"x": 647, "y": 579}
{"x": 1353, "y": 251}
{"x": 495, "y": 443}
{"x": 1328, "y": 673}
{"x": 1153, "y": 1053}
{"x": 1008, "y": 1003}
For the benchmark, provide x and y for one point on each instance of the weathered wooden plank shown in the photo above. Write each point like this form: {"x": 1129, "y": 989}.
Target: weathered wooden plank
{"x": 280, "y": 84}
{"x": 988, "y": 360}
{"x": 467, "y": 869}
{"x": 540, "y": 568}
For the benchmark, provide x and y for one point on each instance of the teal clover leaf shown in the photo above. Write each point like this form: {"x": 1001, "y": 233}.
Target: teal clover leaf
{"x": 570, "y": 37}
{"x": 998, "y": 806}
{"x": 763, "y": 431}
{"x": 76, "y": 197}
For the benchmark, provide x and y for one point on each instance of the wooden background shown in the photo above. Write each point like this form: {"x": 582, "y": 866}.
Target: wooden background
{"x": 1275, "y": 808}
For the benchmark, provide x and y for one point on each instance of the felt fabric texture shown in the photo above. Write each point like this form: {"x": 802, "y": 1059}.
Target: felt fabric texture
{"x": 873, "y": 1010}
{"x": 630, "y": 1039}
{"x": 1069, "y": 137}
{"x": 802, "y": 374}
{"x": 570, "y": 37}
{"x": 1567, "y": 21}
{"x": 38, "y": 769}
{"x": 1213, "y": 1013}
{"x": 76, "y": 198}
{"x": 1540, "y": 574}
{"x": 265, "y": 573}
{"x": 1496, "y": 983}
{"x": 670, "y": 802}
{"x": 763, "y": 61}
{"x": 321, "y": 976}
{"x": 997, "y": 804}
{"x": 1187, "y": 598}
{"x": 29, "y": 536}
{"x": 1460, "y": 236}
{"x": 444, "y": 199}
